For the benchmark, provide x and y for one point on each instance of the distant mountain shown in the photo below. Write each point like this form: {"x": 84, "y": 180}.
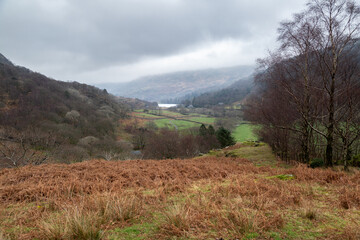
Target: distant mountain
{"x": 160, "y": 88}
{"x": 234, "y": 93}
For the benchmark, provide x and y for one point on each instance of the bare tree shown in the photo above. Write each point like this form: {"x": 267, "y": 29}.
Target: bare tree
{"x": 348, "y": 126}
{"x": 16, "y": 152}
{"x": 310, "y": 69}
{"x": 337, "y": 29}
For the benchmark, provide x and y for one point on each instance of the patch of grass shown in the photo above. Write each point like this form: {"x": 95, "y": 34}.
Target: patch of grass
{"x": 118, "y": 209}
{"x": 196, "y": 115}
{"x": 245, "y": 132}
{"x": 75, "y": 223}
{"x": 296, "y": 228}
{"x": 85, "y": 221}
{"x": 177, "y": 220}
{"x": 135, "y": 232}
{"x": 284, "y": 177}
{"x": 170, "y": 113}
{"x": 261, "y": 155}
{"x": 205, "y": 120}
{"x": 310, "y": 213}
{"x": 171, "y": 123}
{"x": 251, "y": 236}
{"x": 146, "y": 115}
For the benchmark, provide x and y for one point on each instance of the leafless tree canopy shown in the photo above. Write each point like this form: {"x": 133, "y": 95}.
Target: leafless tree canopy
{"x": 308, "y": 89}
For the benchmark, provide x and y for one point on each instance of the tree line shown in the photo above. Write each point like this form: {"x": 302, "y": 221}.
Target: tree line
{"x": 307, "y": 94}
{"x": 164, "y": 143}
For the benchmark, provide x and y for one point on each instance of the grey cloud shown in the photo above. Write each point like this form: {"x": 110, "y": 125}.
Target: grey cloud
{"x": 80, "y": 35}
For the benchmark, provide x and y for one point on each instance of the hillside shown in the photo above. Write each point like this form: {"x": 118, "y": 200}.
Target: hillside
{"x": 176, "y": 85}
{"x": 223, "y": 196}
{"x": 38, "y": 114}
{"x": 5, "y": 61}
{"x": 231, "y": 94}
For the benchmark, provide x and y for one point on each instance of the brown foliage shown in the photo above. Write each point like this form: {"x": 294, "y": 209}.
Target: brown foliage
{"x": 65, "y": 181}
{"x": 228, "y": 195}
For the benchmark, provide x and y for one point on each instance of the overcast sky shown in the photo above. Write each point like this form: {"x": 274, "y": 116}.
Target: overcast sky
{"x": 98, "y": 41}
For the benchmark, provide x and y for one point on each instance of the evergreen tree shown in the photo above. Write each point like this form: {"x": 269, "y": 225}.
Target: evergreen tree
{"x": 211, "y": 130}
{"x": 224, "y": 137}
{"x": 203, "y": 131}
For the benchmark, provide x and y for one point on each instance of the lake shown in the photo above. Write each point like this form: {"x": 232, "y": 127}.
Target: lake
{"x": 166, "y": 105}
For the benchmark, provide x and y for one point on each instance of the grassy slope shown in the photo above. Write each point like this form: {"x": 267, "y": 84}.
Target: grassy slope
{"x": 244, "y": 132}
{"x": 170, "y": 119}
{"x": 170, "y": 123}
{"x": 205, "y": 120}
{"x": 205, "y": 198}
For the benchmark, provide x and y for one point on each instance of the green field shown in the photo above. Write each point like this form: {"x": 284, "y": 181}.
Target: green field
{"x": 170, "y": 113}
{"x": 205, "y": 120}
{"x": 146, "y": 115}
{"x": 171, "y": 123}
{"x": 245, "y": 132}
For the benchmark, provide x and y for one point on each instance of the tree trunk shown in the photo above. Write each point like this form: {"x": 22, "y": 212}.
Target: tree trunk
{"x": 329, "y": 148}
{"x": 331, "y": 124}
{"x": 347, "y": 158}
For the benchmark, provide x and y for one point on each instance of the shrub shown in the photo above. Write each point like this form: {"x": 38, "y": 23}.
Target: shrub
{"x": 72, "y": 116}
{"x": 70, "y": 153}
{"x": 119, "y": 209}
{"x": 317, "y": 162}
{"x": 177, "y": 220}
{"x": 224, "y": 137}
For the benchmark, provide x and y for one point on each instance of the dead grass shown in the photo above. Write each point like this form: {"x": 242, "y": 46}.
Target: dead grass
{"x": 73, "y": 223}
{"x": 204, "y": 198}
{"x": 64, "y": 182}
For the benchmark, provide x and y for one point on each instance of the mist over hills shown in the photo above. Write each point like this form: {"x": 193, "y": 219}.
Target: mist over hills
{"x": 236, "y": 92}
{"x": 176, "y": 85}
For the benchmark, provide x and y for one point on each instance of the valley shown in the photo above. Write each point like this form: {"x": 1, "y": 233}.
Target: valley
{"x": 182, "y": 120}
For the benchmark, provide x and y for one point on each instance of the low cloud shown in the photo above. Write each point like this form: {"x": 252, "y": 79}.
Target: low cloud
{"x": 110, "y": 40}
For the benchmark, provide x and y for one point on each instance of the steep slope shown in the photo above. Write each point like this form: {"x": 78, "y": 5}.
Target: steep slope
{"x": 160, "y": 88}
{"x": 234, "y": 93}
{"x": 45, "y": 113}
{"x": 5, "y": 61}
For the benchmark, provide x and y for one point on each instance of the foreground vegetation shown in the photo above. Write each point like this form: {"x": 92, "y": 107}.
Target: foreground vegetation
{"x": 220, "y": 195}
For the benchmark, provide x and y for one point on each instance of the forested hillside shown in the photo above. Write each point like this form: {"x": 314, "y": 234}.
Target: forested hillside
{"x": 38, "y": 113}
{"x": 234, "y": 93}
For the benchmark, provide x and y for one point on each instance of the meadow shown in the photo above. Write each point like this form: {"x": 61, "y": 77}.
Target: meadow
{"x": 174, "y": 120}
{"x": 175, "y": 124}
{"x": 220, "y": 195}
{"x": 245, "y": 132}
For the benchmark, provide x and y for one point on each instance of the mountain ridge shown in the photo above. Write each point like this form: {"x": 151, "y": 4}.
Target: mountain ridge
{"x": 178, "y": 84}
{"x": 5, "y": 61}
{"x": 236, "y": 92}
